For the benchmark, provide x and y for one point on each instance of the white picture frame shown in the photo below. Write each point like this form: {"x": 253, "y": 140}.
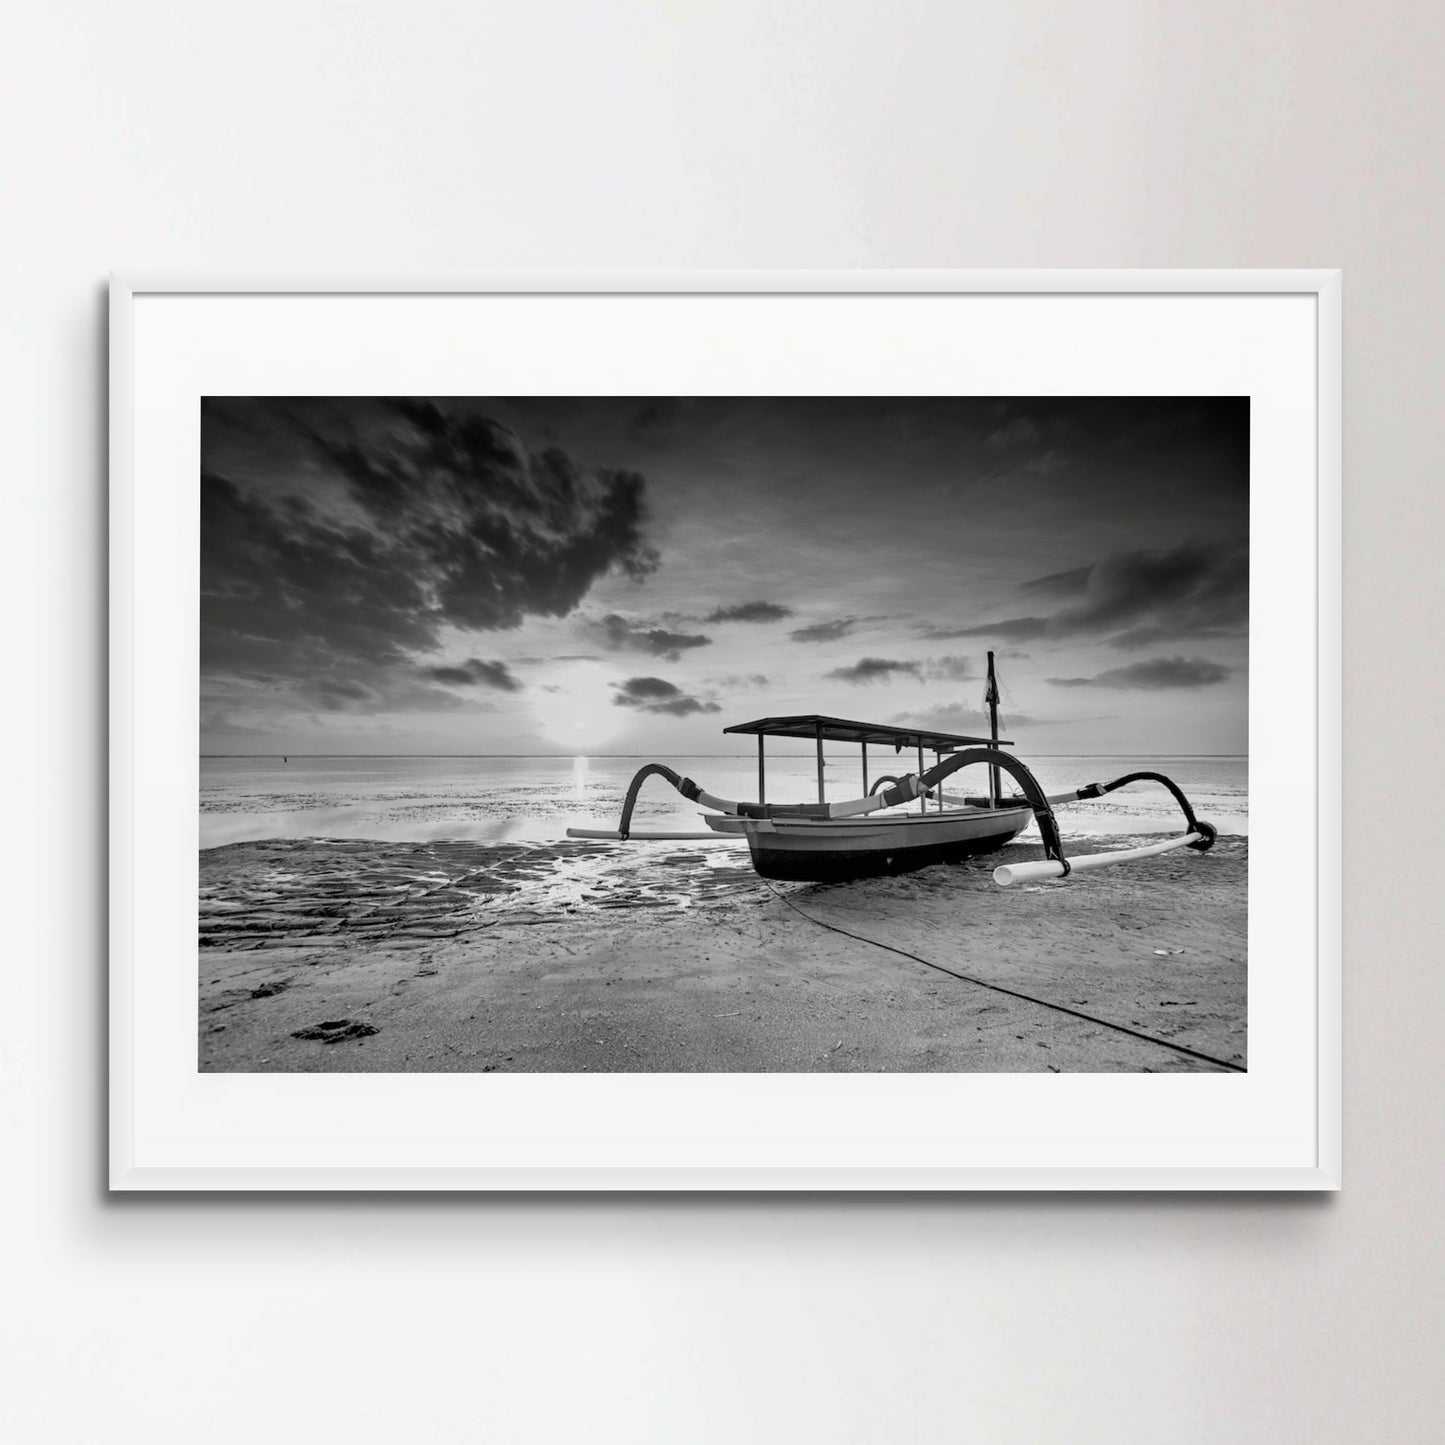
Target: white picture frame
{"x": 173, "y": 338}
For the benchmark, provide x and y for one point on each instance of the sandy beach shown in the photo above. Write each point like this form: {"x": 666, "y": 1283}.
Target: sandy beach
{"x": 432, "y": 957}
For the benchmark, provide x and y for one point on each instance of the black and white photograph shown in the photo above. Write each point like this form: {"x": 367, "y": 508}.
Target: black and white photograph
{"x": 724, "y": 734}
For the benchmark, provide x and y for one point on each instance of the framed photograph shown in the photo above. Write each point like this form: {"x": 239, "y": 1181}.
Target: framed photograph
{"x": 768, "y": 731}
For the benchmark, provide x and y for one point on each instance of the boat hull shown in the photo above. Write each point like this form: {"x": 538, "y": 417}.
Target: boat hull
{"x": 836, "y": 849}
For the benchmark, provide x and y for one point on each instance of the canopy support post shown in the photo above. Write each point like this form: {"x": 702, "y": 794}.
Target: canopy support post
{"x": 865, "y": 767}
{"x": 762, "y": 782}
{"x": 922, "y": 797}
{"x": 818, "y": 734}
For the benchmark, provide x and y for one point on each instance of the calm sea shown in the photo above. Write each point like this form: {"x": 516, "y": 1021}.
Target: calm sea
{"x": 534, "y": 799}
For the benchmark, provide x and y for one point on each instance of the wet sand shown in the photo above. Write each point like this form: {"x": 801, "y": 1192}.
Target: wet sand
{"x": 355, "y": 956}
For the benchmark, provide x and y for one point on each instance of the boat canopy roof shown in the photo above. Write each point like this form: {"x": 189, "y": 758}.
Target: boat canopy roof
{"x": 843, "y": 730}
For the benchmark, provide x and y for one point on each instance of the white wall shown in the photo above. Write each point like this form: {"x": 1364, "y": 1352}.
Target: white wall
{"x": 431, "y": 135}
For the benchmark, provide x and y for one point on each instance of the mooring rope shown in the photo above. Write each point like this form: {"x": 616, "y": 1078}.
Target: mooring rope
{"x": 1013, "y": 992}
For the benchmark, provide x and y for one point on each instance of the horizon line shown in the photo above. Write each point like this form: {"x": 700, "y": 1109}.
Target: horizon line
{"x": 749, "y": 755}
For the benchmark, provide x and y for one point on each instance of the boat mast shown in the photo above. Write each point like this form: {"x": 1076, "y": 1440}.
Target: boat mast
{"x": 991, "y": 698}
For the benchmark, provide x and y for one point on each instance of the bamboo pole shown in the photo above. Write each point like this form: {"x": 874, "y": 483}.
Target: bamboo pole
{"x": 643, "y": 836}
{"x": 1011, "y": 873}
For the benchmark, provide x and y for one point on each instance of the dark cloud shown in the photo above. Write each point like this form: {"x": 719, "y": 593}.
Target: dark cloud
{"x": 621, "y": 634}
{"x": 339, "y": 536}
{"x": 475, "y": 672}
{"x": 750, "y": 612}
{"x": 657, "y": 695}
{"x": 1153, "y": 676}
{"x": 868, "y": 670}
{"x": 682, "y": 706}
{"x": 881, "y": 669}
{"x": 1198, "y": 590}
{"x": 825, "y": 631}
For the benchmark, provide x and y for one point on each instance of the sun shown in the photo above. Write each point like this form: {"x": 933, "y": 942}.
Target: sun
{"x": 577, "y": 713}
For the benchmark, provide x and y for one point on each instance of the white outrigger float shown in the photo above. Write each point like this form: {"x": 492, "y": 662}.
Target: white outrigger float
{"x": 860, "y": 838}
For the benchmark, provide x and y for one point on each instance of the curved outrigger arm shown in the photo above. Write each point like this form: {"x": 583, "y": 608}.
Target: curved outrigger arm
{"x": 1197, "y": 834}
{"x": 1033, "y": 795}
{"x": 1098, "y": 790}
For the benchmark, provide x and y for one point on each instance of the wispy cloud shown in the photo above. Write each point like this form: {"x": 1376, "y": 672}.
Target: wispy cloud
{"x": 1156, "y": 675}
{"x": 657, "y": 695}
{"x": 750, "y": 612}
{"x": 741, "y": 680}
{"x": 832, "y": 631}
{"x": 1014, "y": 629}
{"x": 867, "y": 670}
{"x": 956, "y": 717}
{"x": 621, "y": 634}
{"x": 1022, "y": 445}
{"x": 1197, "y": 590}
{"x": 475, "y": 673}
{"x": 950, "y": 668}
{"x": 383, "y": 691}
{"x": 1060, "y": 584}
{"x": 1022, "y": 431}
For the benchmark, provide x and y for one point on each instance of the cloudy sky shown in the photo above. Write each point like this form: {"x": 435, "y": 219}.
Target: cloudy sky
{"x": 522, "y": 575}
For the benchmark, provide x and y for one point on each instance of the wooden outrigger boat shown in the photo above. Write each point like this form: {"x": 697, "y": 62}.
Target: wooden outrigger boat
{"x": 860, "y": 838}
